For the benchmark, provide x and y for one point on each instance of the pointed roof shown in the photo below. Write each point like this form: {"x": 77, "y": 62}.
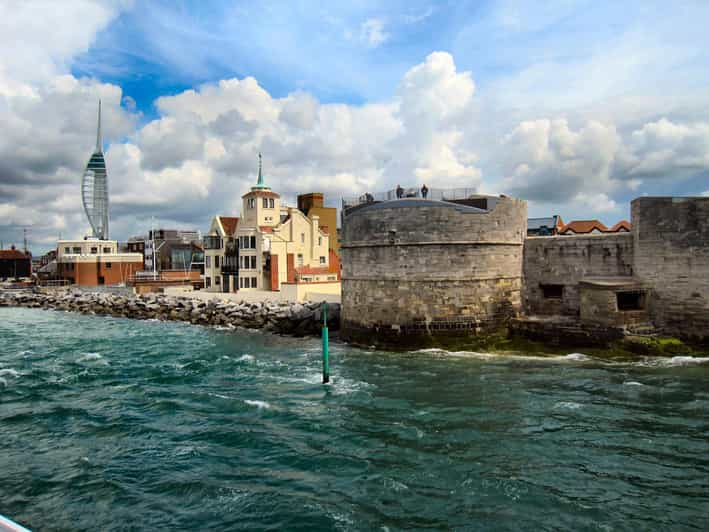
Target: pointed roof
{"x": 260, "y": 185}
{"x": 229, "y": 224}
{"x": 583, "y": 226}
{"x": 623, "y": 225}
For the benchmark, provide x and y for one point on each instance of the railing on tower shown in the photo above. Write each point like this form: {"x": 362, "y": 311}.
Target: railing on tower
{"x": 437, "y": 194}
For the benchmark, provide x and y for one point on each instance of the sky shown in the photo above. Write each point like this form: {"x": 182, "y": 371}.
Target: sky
{"x": 576, "y": 106}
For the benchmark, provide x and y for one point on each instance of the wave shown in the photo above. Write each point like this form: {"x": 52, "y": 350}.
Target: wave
{"x": 246, "y": 358}
{"x": 633, "y": 383}
{"x": 569, "y": 405}
{"x": 502, "y": 356}
{"x": 663, "y": 362}
{"x": 89, "y": 356}
{"x": 11, "y": 372}
{"x": 261, "y": 405}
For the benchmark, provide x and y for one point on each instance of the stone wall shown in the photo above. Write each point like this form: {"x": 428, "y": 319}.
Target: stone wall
{"x": 417, "y": 272}
{"x": 671, "y": 237}
{"x": 565, "y": 260}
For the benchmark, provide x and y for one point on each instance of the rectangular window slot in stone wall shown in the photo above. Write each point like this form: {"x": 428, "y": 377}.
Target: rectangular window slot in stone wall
{"x": 552, "y": 291}
{"x": 630, "y": 300}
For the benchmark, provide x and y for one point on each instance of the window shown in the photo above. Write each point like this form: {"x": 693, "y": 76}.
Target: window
{"x": 106, "y": 250}
{"x": 207, "y": 282}
{"x": 552, "y": 291}
{"x": 216, "y": 261}
{"x": 253, "y": 262}
{"x": 271, "y": 203}
{"x": 322, "y": 260}
{"x": 265, "y": 203}
{"x": 241, "y": 282}
{"x": 67, "y": 250}
{"x": 108, "y": 265}
{"x": 253, "y": 242}
{"x": 94, "y": 251}
{"x": 77, "y": 250}
{"x": 241, "y": 262}
{"x": 302, "y": 238}
{"x": 253, "y": 282}
{"x": 208, "y": 261}
{"x": 300, "y": 259}
{"x": 319, "y": 241}
{"x": 217, "y": 280}
{"x": 630, "y": 300}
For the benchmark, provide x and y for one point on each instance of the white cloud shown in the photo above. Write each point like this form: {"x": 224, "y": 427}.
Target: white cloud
{"x": 372, "y": 33}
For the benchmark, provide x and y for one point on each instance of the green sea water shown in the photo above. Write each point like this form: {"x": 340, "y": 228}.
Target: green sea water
{"x": 114, "y": 424}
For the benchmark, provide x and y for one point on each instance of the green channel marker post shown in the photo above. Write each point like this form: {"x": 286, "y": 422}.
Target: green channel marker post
{"x": 325, "y": 347}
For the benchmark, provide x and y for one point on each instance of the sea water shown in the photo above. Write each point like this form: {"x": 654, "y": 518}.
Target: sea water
{"x": 114, "y": 424}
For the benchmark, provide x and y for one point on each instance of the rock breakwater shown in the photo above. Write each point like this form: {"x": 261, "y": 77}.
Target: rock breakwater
{"x": 297, "y": 319}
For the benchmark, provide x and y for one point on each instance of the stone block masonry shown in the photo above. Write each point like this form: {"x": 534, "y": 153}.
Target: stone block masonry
{"x": 418, "y": 272}
{"x": 671, "y": 240}
{"x": 563, "y": 261}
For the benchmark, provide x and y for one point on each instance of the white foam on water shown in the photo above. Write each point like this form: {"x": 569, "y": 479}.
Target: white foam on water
{"x": 246, "y": 358}
{"x": 633, "y": 383}
{"x": 3, "y": 382}
{"x": 568, "y": 405}
{"x": 681, "y": 360}
{"x": 579, "y": 357}
{"x": 90, "y": 356}
{"x": 220, "y": 396}
{"x": 11, "y": 372}
{"x": 261, "y": 405}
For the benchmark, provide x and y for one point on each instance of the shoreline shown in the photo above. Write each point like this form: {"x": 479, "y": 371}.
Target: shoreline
{"x": 292, "y": 319}
{"x": 304, "y": 320}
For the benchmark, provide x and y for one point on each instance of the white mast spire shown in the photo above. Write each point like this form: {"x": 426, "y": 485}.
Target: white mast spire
{"x": 99, "y": 139}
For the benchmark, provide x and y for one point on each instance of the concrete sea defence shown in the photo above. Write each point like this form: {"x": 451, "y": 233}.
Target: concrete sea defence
{"x": 297, "y": 319}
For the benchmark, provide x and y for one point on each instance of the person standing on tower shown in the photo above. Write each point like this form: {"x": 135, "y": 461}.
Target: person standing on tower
{"x": 424, "y": 191}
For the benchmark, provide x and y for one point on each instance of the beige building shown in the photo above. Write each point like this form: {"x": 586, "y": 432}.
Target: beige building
{"x": 93, "y": 262}
{"x": 268, "y": 246}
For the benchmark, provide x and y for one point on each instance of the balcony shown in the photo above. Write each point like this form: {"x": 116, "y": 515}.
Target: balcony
{"x": 212, "y": 242}
{"x": 230, "y": 261}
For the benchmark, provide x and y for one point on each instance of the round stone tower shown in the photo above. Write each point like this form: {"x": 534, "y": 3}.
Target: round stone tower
{"x": 419, "y": 273}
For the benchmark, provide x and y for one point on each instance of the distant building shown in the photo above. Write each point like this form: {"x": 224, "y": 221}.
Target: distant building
{"x": 176, "y": 250}
{"x": 94, "y": 187}
{"x": 313, "y": 204}
{"x": 271, "y": 245}
{"x": 593, "y": 227}
{"x": 15, "y": 264}
{"x": 549, "y": 226}
{"x": 221, "y": 255}
{"x": 93, "y": 262}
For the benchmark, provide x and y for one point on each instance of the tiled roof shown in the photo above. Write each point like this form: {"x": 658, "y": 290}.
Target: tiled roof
{"x": 620, "y": 226}
{"x": 229, "y": 223}
{"x": 583, "y": 227}
{"x": 13, "y": 254}
{"x": 265, "y": 228}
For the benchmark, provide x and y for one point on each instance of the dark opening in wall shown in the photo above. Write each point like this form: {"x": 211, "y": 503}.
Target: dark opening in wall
{"x": 552, "y": 291}
{"x": 630, "y": 300}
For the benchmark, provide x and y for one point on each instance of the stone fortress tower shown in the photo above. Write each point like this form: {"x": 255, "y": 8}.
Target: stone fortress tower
{"x": 420, "y": 272}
